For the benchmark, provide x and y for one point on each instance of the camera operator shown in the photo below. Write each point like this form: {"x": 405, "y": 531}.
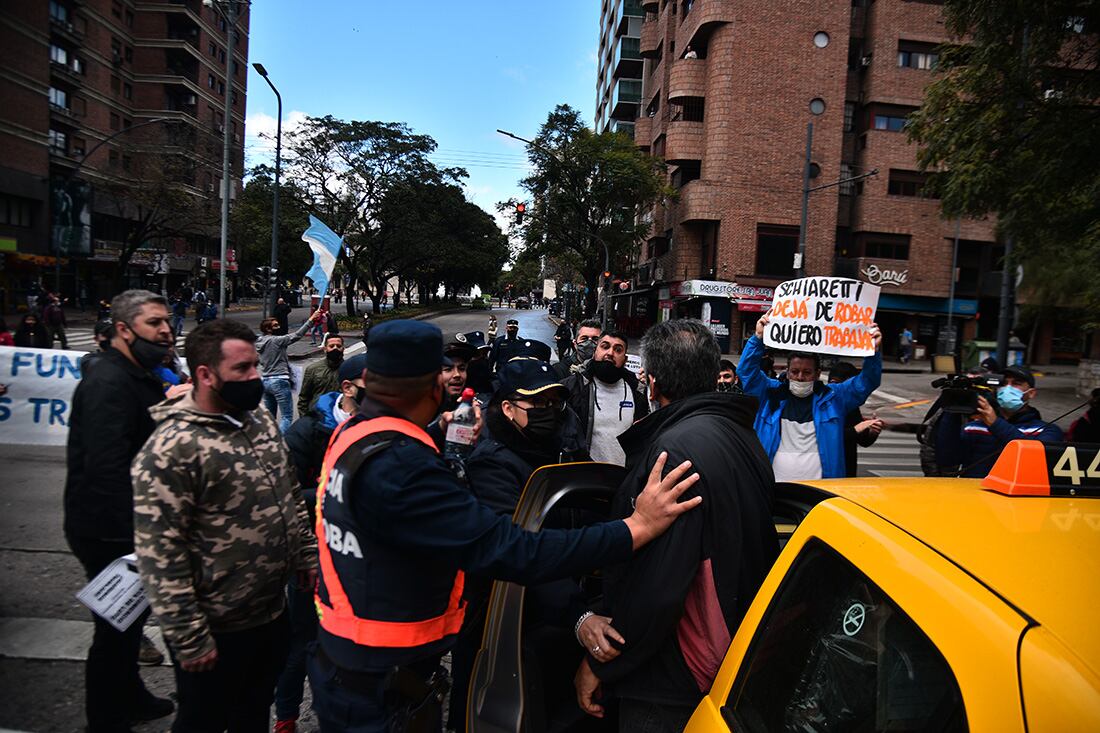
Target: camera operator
{"x": 976, "y": 445}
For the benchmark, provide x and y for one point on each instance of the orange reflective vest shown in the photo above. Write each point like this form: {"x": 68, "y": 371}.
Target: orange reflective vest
{"x": 338, "y": 617}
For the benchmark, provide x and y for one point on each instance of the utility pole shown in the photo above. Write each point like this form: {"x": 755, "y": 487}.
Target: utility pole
{"x": 270, "y": 301}
{"x": 800, "y": 257}
{"x": 229, "y": 9}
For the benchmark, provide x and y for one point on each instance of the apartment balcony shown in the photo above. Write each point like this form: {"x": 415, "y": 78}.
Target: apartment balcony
{"x": 684, "y": 141}
{"x": 67, "y": 73}
{"x": 643, "y": 131}
{"x": 700, "y": 19}
{"x": 64, "y": 115}
{"x": 651, "y": 6}
{"x": 700, "y": 201}
{"x": 627, "y": 63}
{"x": 650, "y": 41}
{"x": 66, "y": 31}
{"x": 625, "y": 98}
{"x": 687, "y": 78}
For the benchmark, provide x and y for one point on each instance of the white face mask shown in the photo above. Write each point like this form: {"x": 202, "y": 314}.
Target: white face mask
{"x": 801, "y": 389}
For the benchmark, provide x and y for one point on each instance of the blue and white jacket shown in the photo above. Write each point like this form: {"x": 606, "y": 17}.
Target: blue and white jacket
{"x": 976, "y": 446}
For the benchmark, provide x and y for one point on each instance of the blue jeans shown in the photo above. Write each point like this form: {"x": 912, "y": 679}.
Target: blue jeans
{"x": 177, "y": 325}
{"x": 303, "y": 631}
{"x": 279, "y": 399}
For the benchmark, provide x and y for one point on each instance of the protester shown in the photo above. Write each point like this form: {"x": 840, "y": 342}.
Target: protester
{"x": 1086, "y": 429}
{"x": 108, "y": 423}
{"x": 6, "y": 338}
{"x": 32, "y": 334}
{"x": 102, "y": 332}
{"x": 582, "y": 349}
{"x": 563, "y": 339}
{"x": 491, "y": 329}
{"x": 322, "y": 377}
{"x": 970, "y": 450}
{"x": 281, "y": 313}
{"x": 800, "y": 419}
{"x": 179, "y": 313}
{"x": 676, "y": 606}
{"x": 727, "y": 377}
{"x": 53, "y": 315}
{"x": 366, "y": 326}
{"x": 857, "y": 430}
{"x": 504, "y": 346}
{"x": 452, "y": 376}
{"x": 275, "y": 368}
{"x": 905, "y": 345}
{"x": 607, "y": 398}
{"x": 219, "y": 526}
{"x": 479, "y": 373}
{"x": 400, "y": 506}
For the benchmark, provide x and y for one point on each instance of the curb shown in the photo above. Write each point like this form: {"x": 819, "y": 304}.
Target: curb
{"x": 317, "y": 351}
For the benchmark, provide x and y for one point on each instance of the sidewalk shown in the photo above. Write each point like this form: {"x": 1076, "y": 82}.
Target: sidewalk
{"x": 353, "y": 340}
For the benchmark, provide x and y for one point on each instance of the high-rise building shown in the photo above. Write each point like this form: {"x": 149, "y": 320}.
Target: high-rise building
{"x": 619, "y": 87}
{"x": 729, "y": 90}
{"x": 111, "y": 142}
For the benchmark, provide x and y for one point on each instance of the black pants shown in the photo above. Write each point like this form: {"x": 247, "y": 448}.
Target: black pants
{"x": 112, "y": 683}
{"x": 303, "y": 631}
{"x": 236, "y": 695}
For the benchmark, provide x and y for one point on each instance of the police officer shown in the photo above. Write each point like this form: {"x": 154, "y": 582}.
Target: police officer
{"x": 386, "y": 495}
{"x": 503, "y": 346}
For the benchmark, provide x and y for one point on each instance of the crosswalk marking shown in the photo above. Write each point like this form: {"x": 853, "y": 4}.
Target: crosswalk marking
{"x": 83, "y": 339}
{"x": 893, "y": 455}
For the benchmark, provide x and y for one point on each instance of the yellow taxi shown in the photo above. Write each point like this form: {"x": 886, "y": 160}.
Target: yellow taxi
{"x": 895, "y": 605}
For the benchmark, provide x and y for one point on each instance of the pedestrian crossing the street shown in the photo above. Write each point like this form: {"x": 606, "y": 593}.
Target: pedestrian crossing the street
{"x": 893, "y": 455}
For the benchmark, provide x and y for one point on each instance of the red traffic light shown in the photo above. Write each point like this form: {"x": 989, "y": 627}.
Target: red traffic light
{"x": 520, "y": 208}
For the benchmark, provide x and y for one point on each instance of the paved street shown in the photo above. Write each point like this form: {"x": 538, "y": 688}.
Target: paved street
{"x": 44, "y": 632}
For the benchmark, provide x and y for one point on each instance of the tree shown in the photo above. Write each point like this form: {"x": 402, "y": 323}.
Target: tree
{"x": 588, "y": 190}
{"x": 343, "y": 172}
{"x": 251, "y": 226}
{"x": 1011, "y": 127}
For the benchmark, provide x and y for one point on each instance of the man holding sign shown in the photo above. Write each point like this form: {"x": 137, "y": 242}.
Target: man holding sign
{"x": 800, "y": 421}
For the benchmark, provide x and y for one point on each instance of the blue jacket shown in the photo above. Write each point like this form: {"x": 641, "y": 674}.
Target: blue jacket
{"x": 831, "y": 403}
{"x": 976, "y": 447}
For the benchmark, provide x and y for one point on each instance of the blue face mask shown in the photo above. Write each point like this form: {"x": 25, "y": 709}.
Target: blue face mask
{"x": 1010, "y": 398}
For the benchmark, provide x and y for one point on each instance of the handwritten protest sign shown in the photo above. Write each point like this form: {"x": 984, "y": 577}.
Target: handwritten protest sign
{"x": 825, "y": 315}
{"x": 634, "y": 363}
{"x": 116, "y": 594}
{"x": 40, "y": 382}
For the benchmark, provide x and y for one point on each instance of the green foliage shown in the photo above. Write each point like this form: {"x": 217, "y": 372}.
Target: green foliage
{"x": 1011, "y": 127}
{"x": 251, "y": 227}
{"x": 587, "y": 188}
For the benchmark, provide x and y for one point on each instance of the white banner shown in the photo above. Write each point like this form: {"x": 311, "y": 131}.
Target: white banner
{"x": 824, "y": 315}
{"x": 549, "y": 289}
{"x": 40, "y": 383}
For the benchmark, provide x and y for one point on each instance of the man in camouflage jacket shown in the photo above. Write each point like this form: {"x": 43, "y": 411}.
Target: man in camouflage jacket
{"x": 219, "y": 526}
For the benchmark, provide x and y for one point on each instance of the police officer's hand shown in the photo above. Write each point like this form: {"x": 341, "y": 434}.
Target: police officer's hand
{"x": 986, "y": 413}
{"x": 656, "y": 508}
{"x": 596, "y": 634}
{"x": 205, "y": 663}
{"x": 760, "y": 324}
{"x": 307, "y": 580}
{"x": 587, "y": 685}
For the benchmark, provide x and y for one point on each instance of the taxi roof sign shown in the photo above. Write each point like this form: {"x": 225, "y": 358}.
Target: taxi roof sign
{"x": 1034, "y": 468}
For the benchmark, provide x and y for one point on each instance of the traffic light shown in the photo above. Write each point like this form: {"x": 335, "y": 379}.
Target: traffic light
{"x": 521, "y": 209}
{"x": 273, "y": 277}
{"x": 606, "y": 275}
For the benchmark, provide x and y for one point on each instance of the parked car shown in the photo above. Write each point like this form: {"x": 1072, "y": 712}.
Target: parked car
{"x": 523, "y": 302}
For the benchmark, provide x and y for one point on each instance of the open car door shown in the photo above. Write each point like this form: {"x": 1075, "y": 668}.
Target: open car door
{"x": 525, "y": 665}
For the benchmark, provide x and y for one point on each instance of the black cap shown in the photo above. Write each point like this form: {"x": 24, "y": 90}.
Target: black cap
{"x": 104, "y": 327}
{"x": 352, "y": 368}
{"x": 527, "y": 377}
{"x": 405, "y": 348}
{"x": 1018, "y": 371}
{"x": 512, "y": 322}
{"x": 474, "y": 339}
{"x": 530, "y": 349}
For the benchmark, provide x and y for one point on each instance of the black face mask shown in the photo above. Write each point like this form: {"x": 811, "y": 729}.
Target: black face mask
{"x": 606, "y": 371}
{"x": 360, "y": 395}
{"x": 242, "y": 396}
{"x": 543, "y": 424}
{"x": 585, "y": 350}
{"x": 149, "y": 354}
{"x": 334, "y": 358}
{"x": 725, "y": 386}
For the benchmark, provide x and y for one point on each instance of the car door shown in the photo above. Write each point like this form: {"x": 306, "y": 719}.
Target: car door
{"x": 516, "y": 665}
{"x": 860, "y": 626}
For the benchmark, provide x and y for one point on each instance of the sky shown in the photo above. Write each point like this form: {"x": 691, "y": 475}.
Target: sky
{"x": 456, "y": 71}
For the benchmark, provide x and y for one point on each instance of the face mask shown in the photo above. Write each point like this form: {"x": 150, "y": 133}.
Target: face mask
{"x": 360, "y": 395}
{"x": 585, "y": 349}
{"x": 606, "y": 371}
{"x": 149, "y": 354}
{"x": 334, "y": 358}
{"x": 242, "y": 396}
{"x": 725, "y": 386}
{"x": 543, "y": 424}
{"x": 801, "y": 389}
{"x": 1010, "y": 398}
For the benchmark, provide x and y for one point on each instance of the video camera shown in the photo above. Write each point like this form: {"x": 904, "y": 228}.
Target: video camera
{"x": 960, "y": 392}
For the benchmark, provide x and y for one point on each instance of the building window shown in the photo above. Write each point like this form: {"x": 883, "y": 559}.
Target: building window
{"x": 914, "y": 55}
{"x": 129, "y": 55}
{"x": 116, "y": 9}
{"x": 775, "y": 248}
{"x": 127, "y": 91}
{"x": 129, "y": 19}
{"x": 690, "y": 110}
{"x": 112, "y": 158}
{"x": 116, "y": 122}
{"x": 213, "y": 49}
{"x": 210, "y": 82}
{"x": 59, "y": 141}
{"x": 885, "y": 246}
{"x": 59, "y": 98}
{"x": 59, "y": 55}
{"x": 892, "y": 123}
{"x": 848, "y": 187}
{"x": 221, "y": 88}
{"x": 849, "y": 116}
{"x": 116, "y": 85}
{"x": 126, "y": 123}
{"x": 907, "y": 183}
{"x": 15, "y": 212}
{"x": 221, "y": 56}
{"x": 236, "y": 68}
{"x": 79, "y": 146}
{"x": 233, "y": 97}
{"x": 59, "y": 12}
{"x": 78, "y": 65}
{"x": 126, "y": 162}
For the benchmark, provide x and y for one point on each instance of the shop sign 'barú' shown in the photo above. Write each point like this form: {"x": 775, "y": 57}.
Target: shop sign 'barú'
{"x": 879, "y": 276}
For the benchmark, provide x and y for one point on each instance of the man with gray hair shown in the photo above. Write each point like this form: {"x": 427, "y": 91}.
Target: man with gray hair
{"x": 108, "y": 424}
{"x": 676, "y": 606}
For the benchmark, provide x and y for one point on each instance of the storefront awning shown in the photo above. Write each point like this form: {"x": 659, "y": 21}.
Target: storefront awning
{"x": 932, "y": 306}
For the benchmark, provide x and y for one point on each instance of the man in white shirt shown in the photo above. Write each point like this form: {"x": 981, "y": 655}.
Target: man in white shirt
{"x": 607, "y": 398}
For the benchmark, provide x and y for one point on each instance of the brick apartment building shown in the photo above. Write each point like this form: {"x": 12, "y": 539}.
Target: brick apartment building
{"x": 77, "y": 72}
{"x": 724, "y": 91}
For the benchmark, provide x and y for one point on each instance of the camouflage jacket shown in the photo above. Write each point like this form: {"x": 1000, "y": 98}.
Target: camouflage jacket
{"x": 219, "y": 523}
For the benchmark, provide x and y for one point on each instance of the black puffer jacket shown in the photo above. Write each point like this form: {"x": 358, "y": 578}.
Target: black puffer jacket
{"x": 731, "y": 534}
{"x": 582, "y": 397}
{"x": 108, "y": 424}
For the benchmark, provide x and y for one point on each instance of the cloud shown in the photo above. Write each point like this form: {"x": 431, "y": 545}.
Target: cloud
{"x": 259, "y": 135}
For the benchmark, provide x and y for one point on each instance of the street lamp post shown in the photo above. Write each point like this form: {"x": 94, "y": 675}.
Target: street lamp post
{"x": 275, "y": 196}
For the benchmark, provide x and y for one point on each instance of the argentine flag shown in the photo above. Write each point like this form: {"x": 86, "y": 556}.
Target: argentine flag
{"x": 326, "y": 249}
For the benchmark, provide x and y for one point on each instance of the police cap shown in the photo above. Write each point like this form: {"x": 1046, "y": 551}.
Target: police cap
{"x": 527, "y": 377}
{"x": 352, "y": 368}
{"x": 405, "y": 348}
{"x": 530, "y": 349}
{"x": 512, "y": 322}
